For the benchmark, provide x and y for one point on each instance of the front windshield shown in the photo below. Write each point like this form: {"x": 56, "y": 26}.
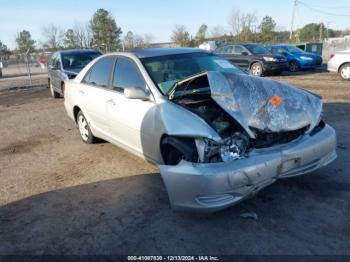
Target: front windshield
{"x": 165, "y": 71}
{"x": 78, "y": 60}
{"x": 257, "y": 49}
{"x": 294, "y": 49}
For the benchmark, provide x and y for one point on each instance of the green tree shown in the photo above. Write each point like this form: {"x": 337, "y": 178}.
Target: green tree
{"x": 201, "y": 34}
{"x": 180, "y": 36}
{"x": 25, "y": 42}
{"x": 4, "y": 51}
{"x": 309, "y": 32}
{"x": 105, "y": 32}
{"x": 267, "y": 28}
{"x": 71, "y": 39}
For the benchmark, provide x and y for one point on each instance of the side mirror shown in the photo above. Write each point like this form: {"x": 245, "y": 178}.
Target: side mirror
{"x": 51, "y": 67}
{"x": 245, "y": 53}
{"x": 136, "y": 93}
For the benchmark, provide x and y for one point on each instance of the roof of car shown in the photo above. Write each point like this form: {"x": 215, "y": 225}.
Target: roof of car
{"x": 152, "y": 52}
{"x": 75, "y": 51}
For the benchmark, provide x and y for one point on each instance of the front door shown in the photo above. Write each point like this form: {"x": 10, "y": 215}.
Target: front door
{"x": 131, "y": 120}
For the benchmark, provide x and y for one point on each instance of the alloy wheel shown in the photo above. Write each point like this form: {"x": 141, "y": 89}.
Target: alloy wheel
{"x": 345, "y": 72}
{"x": 256, "y": 70}
{"x": 83, "y": 128}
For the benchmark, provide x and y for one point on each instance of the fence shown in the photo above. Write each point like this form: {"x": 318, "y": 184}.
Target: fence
{"x": 332, "y": 45}
{"x": 21, "y": 66}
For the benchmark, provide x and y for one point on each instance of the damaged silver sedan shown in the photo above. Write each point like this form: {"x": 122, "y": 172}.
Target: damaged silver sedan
{"x": 217, "y": 134}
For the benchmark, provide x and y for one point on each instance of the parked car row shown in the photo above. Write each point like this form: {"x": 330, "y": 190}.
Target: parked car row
{"x": 274, "y": 59}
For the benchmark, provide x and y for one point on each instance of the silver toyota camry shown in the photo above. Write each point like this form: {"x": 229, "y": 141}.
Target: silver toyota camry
{"x": 217, "y": 134}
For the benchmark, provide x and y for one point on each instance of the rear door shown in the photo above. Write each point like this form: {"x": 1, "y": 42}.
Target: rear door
{"x": 94, "y": 94}
{"x": 131, "y": 120}
{"x": 242, "y": 56}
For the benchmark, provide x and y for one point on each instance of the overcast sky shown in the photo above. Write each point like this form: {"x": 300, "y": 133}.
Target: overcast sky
{"x": 158, "y": 17}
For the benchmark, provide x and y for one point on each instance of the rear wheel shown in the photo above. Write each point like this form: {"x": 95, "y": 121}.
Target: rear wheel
{"x": 344, "y": 71}
{"x": 84, "y": 129}
{"x": 294, "y": 66}
{"x": 54, "y": 94}
{"x": 256, "y": 69}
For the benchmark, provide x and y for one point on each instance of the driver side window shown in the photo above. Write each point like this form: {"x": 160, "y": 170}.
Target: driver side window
{"x": 127, "y": 74}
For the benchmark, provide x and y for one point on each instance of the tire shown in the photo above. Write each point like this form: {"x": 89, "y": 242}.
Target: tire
{"x": 256, "y": 69}
{"x": 54, "y": 94}
{"x": 62, "y": 89}
{"x": 84, "y": 129}
{"x": 294, "y": 66}
{"x": 344, "y": 71}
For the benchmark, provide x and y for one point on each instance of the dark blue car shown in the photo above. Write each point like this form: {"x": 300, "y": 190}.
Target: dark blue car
{"x": 298, "y": 59}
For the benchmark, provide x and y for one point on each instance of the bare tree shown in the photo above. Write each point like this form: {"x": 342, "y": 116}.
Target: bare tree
{"x": 142, "y": 41}
{"x": 234, "y": 21}
{"x": 216, "y": 31}
{"x": 180, "y": 36}
{"x": 83, "y": 35}
{"x": 149, "y": 38}
{"x": 242, "y": 24}
{"x": 54, "y": 36}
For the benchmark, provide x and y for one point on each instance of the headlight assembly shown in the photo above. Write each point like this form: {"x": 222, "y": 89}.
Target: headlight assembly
{"x": 231, "y": 148}
{"x": 306, "y": 58}
{"x": 269, "y": 59}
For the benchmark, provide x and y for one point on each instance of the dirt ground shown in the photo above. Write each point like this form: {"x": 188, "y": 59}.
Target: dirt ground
{"x": 61, "y": 196}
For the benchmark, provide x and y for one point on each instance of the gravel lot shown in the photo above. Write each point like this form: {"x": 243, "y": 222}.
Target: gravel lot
{"x": 61, "y": 196}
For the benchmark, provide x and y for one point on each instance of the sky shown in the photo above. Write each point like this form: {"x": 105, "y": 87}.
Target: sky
{"x": 158, "y": 17}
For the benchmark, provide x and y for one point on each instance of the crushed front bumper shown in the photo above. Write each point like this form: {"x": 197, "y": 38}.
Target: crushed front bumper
{"x": 215, "y": 186}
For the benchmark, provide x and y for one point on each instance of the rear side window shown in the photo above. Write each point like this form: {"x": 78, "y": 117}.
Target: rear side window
{"x": 99, "y": 74}
{"x": 126, "y": 74}
{"x": 238, "y": 50}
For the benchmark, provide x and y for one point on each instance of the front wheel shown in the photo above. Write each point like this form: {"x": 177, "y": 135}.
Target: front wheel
{"x": 256, "y": 69}
{"x": 294, "y": 66}
{"x": 344, "y": 71}
{"x": 84, "y": 129}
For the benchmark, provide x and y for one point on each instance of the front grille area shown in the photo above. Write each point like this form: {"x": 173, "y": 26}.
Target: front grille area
{"x": 267, "y": 139}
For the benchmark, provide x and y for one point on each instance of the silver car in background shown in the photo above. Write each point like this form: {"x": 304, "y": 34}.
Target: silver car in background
{"x": 217, "y": 134}
{"x": 340, "y": 63}
{"x": 65, "y": 65}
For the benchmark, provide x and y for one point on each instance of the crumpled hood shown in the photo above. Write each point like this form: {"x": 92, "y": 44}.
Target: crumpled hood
{"x": 264, "y": 104}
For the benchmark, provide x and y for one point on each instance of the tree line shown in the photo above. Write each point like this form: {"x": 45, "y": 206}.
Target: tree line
{"x": 103, "y": 33}
{"x": 245, "y": 27}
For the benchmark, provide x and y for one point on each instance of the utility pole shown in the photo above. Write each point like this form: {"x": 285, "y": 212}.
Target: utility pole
{"x": 293, "y": 17}
{"x": 321, "y": 31}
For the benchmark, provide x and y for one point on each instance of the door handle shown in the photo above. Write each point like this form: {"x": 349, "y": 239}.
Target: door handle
{"x": 81, "y": 92}
{"x": 111, "y": 102}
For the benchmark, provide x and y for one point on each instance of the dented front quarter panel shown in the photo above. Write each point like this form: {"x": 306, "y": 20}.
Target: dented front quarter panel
{"x": 209, "y": 187}
{"x": 248, "y": 100}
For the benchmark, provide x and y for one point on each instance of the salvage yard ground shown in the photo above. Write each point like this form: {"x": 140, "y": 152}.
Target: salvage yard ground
{"x": 61, "y": 196}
